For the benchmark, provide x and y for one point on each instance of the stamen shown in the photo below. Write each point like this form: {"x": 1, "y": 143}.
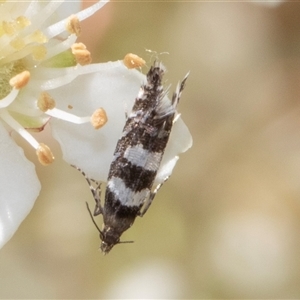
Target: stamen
{"x": 59, "y": 27}
{"x": 60, "y": 114}
{"x": 73, "y": 25}
{"x": 44, "y": 154}
{"x": 45, "y": 102}
{"x": 60, "y": 47}
{"x": 20, "y": 80}
{"x": 99, "y": 118}
{"x": 18, "y": 128}
{"x": 132, "y": 61}
{"x": 82, "y": 55}
{"x": 4, "y": 102}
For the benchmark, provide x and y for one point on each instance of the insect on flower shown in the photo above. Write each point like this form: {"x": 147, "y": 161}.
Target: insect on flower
{"x": 137, "y": 157}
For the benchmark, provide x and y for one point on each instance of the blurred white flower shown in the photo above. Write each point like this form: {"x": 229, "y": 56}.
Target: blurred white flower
{"x": 154, "y": 279}
{"x": 43, "y": 74}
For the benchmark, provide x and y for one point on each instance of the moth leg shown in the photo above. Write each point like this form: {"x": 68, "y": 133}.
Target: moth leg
{"x": 151, "y": 197}
{"x": 95, "y": 187}
{"x": 97, "y": 196}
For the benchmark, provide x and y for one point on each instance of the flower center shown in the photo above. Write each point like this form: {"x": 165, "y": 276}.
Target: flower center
{"x": 30, "y": 44}
{"x": 8, "y": 71}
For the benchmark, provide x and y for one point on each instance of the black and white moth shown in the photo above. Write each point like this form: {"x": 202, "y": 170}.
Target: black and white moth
{"x": 137, "y": 157}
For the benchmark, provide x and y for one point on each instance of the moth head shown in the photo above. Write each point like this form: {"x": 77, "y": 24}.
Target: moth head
{"x": 110, "y": 237}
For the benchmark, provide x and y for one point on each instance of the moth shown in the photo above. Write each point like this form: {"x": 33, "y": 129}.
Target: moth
{"x": 137, "y": 157}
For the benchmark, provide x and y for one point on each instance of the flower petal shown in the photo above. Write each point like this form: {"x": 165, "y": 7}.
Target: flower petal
{"x": 113, "y": 87}
{"x": 19, "y": 186}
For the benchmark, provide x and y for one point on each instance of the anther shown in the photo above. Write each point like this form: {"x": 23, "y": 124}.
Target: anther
{"x": 73, "y": 25}
{"x": 45, "y": 102}
{"x": 22, "y": 22}
{"x": 39, "y": 52}
{"x": 9, "y": 27}
{"x": 44, "y": 154}
{"x": 20, "y": 80}
{"x": 99, "y": 118}
{"x": 132, "y": 61}
{"x": 17, "y": 43}
{"x": 82, "y": 55}
{"x": 38, "y": 37}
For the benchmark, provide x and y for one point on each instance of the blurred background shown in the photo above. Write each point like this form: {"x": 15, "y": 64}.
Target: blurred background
{"x": 227, "y": 223}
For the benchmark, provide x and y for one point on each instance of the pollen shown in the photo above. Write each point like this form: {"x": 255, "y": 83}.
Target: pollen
{"x": 73, "y": 25}
{"x": 44, "y": 154}
{"x": 45, "y": 102}
{"x": 132, "y": 61}
{"x": 82, "y": 55}
{"x": 99, "y": 118}
{"x": 20, "y": 80}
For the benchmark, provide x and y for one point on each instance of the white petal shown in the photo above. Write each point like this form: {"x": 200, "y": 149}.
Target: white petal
{"x": 113, "y": 87}
{"x": 19, "y": 186}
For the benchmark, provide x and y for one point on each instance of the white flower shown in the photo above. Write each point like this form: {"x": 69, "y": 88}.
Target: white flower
{"x": 48, "y": 79}
{"x": 31, "y": 40}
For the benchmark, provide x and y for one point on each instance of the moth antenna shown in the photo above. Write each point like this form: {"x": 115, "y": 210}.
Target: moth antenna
{"x": 92, "y": 217}
{"x": 125, "y": 242}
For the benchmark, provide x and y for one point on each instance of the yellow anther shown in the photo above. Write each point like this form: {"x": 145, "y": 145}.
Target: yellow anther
{"x": 20, "y": 80}
{"x": 13, "y": 27}
{"x": 39, "y": 52}
{"x": 81, "y": 54}
{"x": 132, "y": 61}
{"x": 22, "y": 22}
{"x": 44, "y": 154}
{"x": 78, "y": 46}
{"x": 45, "y": 102}
{"x": 9, "y": 27}
{"x": 99, "y": 118}
{"x": 38, "y": 37}
{"x": 73, "y": 25}
{"x": 17, "y": 43}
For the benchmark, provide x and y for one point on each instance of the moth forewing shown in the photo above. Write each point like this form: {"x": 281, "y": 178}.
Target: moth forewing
{"x": 137, "y": 158}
